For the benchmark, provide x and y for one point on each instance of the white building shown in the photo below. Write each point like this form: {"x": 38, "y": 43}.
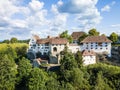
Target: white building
{"x": 89, "y": 57}
{"x": 99, "y": 44}
{"x": 54, "y": 45}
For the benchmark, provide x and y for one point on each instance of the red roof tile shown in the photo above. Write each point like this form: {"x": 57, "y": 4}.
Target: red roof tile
{"x": 54, "y": 40}
{"x": 88, "y": 53}
{"x": 96, "y": 39}
{"x": 76, "y": 35}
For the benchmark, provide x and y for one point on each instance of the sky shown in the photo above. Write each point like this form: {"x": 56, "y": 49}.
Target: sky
{"x": 23, "y": 18}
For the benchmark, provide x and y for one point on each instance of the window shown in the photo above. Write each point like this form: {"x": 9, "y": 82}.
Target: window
{"x": 100, "y": 44}
{"x": 96, "y": 48}
{"x": 55, "y": 49}
{"x": 101, "y": 48}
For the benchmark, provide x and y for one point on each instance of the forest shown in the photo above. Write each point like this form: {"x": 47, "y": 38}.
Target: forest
{"x": 17, "y": 72}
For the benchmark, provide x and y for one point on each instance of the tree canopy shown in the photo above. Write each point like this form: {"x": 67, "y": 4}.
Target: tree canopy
{"x": 13, "y": 40}
{"x": 93, "y": 32}
{"x": 8, "y": 73}
{"x": 67, "y": 36}
{"x": 113, "y": 37}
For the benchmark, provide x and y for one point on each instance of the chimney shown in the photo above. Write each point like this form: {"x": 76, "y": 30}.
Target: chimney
{"x": 48, "y": 37}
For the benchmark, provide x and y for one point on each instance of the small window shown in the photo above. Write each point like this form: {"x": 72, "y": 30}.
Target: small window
{"x": 55, "y": 49}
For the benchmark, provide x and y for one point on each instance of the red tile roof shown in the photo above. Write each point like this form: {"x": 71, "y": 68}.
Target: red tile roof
{"x": 88, "y": 53}
{"x": 96, "y": 39}
{"x": 54, "y": 40}
{"x": 76, "y": 35}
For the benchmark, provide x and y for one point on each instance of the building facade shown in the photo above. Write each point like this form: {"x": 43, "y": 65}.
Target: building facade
{"x": 89, "y": 57}
{"x": 99, "y": 44}
{"x": 53, "y": 46}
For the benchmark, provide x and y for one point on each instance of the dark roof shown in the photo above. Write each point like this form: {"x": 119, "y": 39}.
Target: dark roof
{"x": 76, "y": 35}
{"x": 96, "y": 39}
{"x": 88, "y": 53}
{"x": 53, "y": 40}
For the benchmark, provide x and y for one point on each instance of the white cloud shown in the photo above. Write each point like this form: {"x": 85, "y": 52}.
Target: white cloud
{"x": 84, "y": 11}
{"x": 106, "y": 8}
{"x": 35, "y": 5}
{"x": 34, "y": 18}
{"x": 115, "y": 25}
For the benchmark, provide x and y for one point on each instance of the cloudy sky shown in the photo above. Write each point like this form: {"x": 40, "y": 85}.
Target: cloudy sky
{"x": 22, "y": 18}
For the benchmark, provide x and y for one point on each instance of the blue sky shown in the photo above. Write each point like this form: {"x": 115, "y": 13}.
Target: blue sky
{"x": 22, "y": 18}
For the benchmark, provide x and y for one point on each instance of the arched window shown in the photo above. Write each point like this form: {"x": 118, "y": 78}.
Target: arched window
{"x": 55, "y": 49}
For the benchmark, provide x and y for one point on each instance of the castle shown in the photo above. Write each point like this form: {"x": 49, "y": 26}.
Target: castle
{"x": 53, "y": 46}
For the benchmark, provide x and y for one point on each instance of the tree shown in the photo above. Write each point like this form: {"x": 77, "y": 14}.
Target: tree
{"x": 13, "y": 40}
{"x": 100, "y": 83}
{"x": 10, "y": 52}
{"x": 82, "y": 37}
{"x": 6, "y": 41}
{"x": 79, "y": 59}
{"x": 67, "y": 36}
{"x": 68, "y": 61}
{"x": 24, "y": 69}
{"x": 93, "y": 32}
{"x": 7, "y": 73}
{"x": 37, "y": 79}
{"x": 21, "y": 51}
{"x": 113, "y": 37}
{"x": 52, "y": 82}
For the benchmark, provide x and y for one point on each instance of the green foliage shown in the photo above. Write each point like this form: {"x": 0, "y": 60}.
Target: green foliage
{"x": 24, "y": 68}
{"x": 6, "y": 41}
{"x": 7, "y": 73}
{"x": 82, "y": 37}
{"x": 93, "y": 32}
{"x": 79, "y": 59}
{"x": 100, "y": 83}
{"x": 13, "y": 40}
{"x": 37, "y": 79}
{"x": 113, "y": 37}
{"x": 21, "y": 51}
{"x": 68, "y": 61}
{"x": 52, "y": 82}
{"x": 67, "y": 36}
